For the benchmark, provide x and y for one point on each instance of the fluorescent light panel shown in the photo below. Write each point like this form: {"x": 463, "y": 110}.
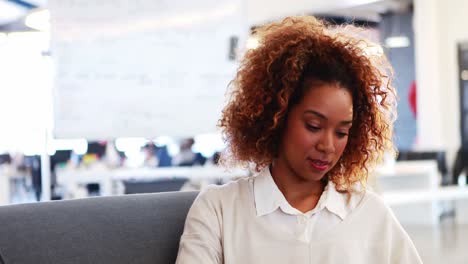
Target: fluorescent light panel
{"x": 397, "y": 42}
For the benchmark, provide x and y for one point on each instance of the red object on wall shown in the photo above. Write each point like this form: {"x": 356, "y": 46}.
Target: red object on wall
{"x": 412, "y": 98}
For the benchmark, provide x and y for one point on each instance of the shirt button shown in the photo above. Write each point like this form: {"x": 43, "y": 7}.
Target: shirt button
{"x": 302, "y": 220}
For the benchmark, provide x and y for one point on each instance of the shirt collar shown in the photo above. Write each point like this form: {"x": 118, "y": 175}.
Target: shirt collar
{"x": 336, "y": 202}
{"x": 268, "y": 197}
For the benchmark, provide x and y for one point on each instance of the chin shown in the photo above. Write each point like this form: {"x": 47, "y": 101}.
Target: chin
{"x": 313, "y": 176}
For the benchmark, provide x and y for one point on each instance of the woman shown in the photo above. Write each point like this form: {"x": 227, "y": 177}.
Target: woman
{"x": 313, "y": 111}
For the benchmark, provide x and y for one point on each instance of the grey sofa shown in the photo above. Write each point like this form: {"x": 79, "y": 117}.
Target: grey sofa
{"x": 139, "y": 228}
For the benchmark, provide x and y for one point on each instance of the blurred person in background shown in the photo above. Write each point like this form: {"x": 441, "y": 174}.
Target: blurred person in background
{"x": 186, "y": 156}
{"x": 163, "y": 156}
{"x": 313, "y": 111}
{"x": 149, "y": 151}
{"x": 460, "y": 166}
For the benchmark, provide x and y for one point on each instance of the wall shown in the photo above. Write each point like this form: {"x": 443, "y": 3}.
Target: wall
{"x": 402, "y": 60}
{"x": 439, "y": 26}
{"x": 163, "y": 74}
{"x": 261, "y": 11}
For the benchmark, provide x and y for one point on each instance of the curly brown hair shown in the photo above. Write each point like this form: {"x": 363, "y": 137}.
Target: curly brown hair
{"x": 270, "y": 80}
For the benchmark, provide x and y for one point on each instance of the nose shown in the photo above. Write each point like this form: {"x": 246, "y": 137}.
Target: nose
{"x": 326, "y": 143}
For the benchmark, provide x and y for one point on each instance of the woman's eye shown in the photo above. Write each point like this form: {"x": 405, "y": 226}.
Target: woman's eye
{"x": 341, "y": 134}
{"x": 313, "y": 128}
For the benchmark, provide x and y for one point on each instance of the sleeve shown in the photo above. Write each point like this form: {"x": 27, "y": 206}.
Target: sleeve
{"x": 402, "y": 249}
{"x": 201, "y": 240}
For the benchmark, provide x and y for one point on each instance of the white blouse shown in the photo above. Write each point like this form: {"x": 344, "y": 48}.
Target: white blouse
{"x": 250, "y": 221}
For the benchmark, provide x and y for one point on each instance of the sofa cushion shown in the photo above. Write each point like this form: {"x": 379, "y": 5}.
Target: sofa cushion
{"x": 141, "y": 228}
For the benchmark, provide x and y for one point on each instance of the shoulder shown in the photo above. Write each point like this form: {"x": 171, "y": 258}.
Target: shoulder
{"x": 373, "y": 206}
{"x": 390, "y": 233}
{"x": 215, "y": 202}
{"x": 229, "y": 192}
{"x": 375, "y": 201}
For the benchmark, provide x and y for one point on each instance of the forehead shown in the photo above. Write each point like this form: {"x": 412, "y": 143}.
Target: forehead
{"x": 332, "y": 100}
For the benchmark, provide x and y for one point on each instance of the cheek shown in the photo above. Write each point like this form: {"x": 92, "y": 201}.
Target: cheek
{"x": 297, "y": 138}
{"x": 341, "y": 145}
{"x": 304, "y": 141}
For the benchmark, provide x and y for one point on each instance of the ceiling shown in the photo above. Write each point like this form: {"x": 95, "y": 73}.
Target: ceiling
{"x": 12, "y": 12}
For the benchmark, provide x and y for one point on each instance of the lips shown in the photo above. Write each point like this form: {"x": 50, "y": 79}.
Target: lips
{"x": 320, "y": 165}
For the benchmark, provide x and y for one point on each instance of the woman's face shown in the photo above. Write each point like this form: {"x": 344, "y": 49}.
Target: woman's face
{"x": 316, "y": 131}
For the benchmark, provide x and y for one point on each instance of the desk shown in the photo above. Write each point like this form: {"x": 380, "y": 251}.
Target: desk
{"x": 441, "y": 193}
{"x": 408, "y": 175}
{"x": 71, "y": 179}
{"x": 4, "y": 188}
{"x": 410, "y": 188}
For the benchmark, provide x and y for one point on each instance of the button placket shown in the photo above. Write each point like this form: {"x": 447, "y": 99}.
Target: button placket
{"x": 302, "y": 219}
{"x": 302, "y": 233}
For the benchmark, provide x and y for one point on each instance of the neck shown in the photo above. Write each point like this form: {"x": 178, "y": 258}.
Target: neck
{"x": 300, "y": 193}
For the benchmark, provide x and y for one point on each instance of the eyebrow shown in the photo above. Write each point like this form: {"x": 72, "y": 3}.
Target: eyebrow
{"x": 322, "y": 116}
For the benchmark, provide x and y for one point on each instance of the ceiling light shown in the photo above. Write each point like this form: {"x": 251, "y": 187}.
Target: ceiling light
{"x": 397, "y": 42}
{"x": 39, "y": 20}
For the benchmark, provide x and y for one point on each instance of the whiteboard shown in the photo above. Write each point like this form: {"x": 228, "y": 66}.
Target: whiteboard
{"x": 141, "y": 68}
